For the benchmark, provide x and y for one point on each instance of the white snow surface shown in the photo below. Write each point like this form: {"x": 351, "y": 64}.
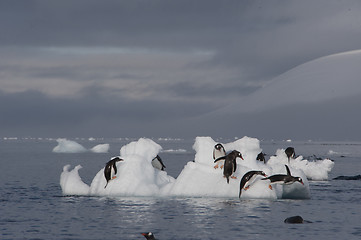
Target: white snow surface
{"x": 331, "y": 77}
{"x": 137, "y": 177}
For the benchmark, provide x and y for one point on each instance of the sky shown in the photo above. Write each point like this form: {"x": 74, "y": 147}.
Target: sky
{"x": 168, "y": 68}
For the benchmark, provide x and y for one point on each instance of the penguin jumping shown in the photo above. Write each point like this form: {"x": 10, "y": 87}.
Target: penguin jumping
{"x": 283, "y": 179}
{"x": 230, "y": 164}
{"x": 110, "y": 169}
{"x": 290, "y": 152}
{"x": 218, "y": 151}
{"x": 158, "y": 163}
{"x": 247, "y": 178}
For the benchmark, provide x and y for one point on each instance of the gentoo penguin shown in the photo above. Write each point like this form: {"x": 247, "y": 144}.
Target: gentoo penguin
{"x": 283, "y": 179}
{"x": 110, "y": 169}
{"x": 260, "y": 157}
{"x": 218, "y": 151}
{"x": 149, "y": 236}
{"x": 158, "y": 163}
{"x": 290, "y": 152}
{"x": 249, "y": 177}
{"x": 230, "y": 163}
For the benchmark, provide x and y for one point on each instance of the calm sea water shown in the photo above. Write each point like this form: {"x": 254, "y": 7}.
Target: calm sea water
{"x": 32, "y": 205}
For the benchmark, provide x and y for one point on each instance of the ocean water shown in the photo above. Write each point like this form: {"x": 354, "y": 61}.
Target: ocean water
{"x": 32, "y": 205}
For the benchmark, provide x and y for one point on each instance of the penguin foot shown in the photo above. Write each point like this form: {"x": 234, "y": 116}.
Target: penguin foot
{"x": 270, "y": 187}
{"x": 222, "y": 167}
{"x": 215, "y": 167}
{"x": 246, "y": 188}
{"x": 114, "y": 177}
{"x": 234, "y": 177}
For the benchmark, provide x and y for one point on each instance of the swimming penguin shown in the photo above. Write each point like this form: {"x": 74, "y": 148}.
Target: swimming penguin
{"x": 149, "y": 236}
{"x": 283, "y": 179}
{"x": 290, "y": 152}
{"x": 158, "y": 163}
{"x": 260, "y": 157}
{"x": 248, "y": 178}
{"x": 230, "y": 164}
{"x": 218, "y": 151}
{"x": 110, "y": 169}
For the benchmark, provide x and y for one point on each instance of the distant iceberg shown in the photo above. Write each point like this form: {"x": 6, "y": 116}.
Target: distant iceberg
{"x": 68, "y": 146}
{"x": 100, "y": 148}
{"x": 137, "y": 177}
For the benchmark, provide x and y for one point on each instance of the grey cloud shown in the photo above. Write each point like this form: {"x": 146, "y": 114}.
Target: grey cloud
{"x": 149, "y": 65}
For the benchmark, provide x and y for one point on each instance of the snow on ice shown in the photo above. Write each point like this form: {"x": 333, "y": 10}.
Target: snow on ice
{"x": 137, "y": 177}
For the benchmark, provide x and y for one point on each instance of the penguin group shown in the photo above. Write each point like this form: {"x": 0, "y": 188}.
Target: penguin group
{"x": 230, "y": 166}
{"x": 110, "y": 169}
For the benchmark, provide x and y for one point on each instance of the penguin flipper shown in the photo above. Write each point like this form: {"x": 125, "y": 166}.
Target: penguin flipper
{"x": 288, "y": 170}
{"x": 220, "y": 158}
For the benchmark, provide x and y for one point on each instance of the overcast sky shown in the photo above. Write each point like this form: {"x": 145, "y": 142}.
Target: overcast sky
{"x": 160, "y": 68}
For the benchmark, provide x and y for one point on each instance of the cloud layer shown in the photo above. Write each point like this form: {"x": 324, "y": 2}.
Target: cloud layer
{"x": 142, "y": 67}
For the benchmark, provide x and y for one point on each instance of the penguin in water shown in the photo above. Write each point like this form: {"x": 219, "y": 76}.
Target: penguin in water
{"x": 158, "y": 163}
{"x": 230, "y": 164}
{"x": 249, "y": 177}
{"x": 218, "y": 151}
{"x": 110, "y": 169}
{"x": 290, "y": 152}
{"x": 149, "y": 236}
{"x": 283, "y": 179}
{"x": 260, "y": 157}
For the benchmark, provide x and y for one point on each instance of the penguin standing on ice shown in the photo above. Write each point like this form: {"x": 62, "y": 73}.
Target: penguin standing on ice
{"x": 290, "y": 152}
{"x": 283, "y": 179}
{"x": 158, "y": 163}
{"x": 260, "y": 157}
{"x": 230, "y": 164}
{"x": 249, "y": 177}
{"x": 110, "y": 169}
{"x": 218, "y": 151}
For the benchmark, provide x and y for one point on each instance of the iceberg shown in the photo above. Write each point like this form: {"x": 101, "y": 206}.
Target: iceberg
{"x": 68, "y": 146}
{"x": 100, "y": 148}
{"x": 137, "y": 177}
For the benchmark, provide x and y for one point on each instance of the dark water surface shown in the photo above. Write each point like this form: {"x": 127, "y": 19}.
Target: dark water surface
{"x": 32, "y": 205}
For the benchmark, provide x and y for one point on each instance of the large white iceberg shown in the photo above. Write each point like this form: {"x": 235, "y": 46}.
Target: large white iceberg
{"x": 137, "y": 177}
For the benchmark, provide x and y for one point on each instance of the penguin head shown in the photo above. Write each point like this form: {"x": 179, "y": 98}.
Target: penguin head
{"x": 218, "y": 146}
{"x": 262, "y": 173}
{"x": 298, "y": 179}
{"x": 148, "y": 235}
{"x": 116, "y": 159}
{"x": 239, "y": 155}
